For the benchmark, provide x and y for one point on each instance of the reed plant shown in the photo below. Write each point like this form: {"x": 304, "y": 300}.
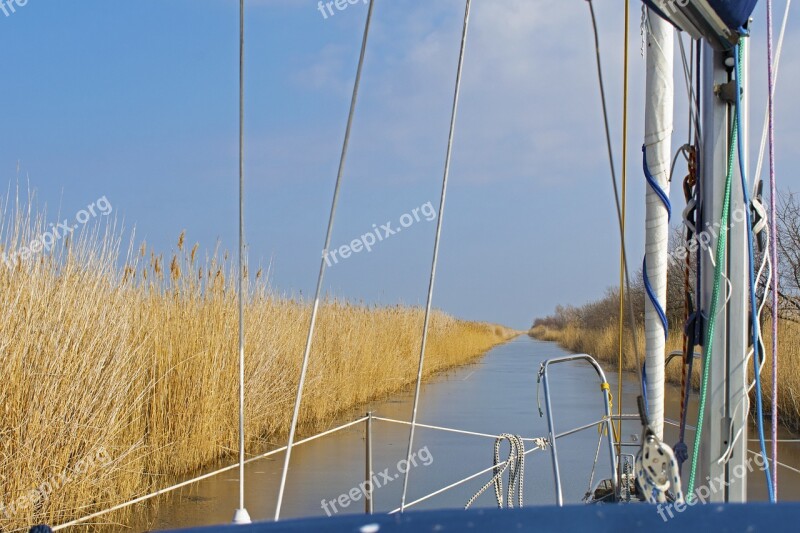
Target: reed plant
{"x": 603, "y": 344}
{"x": 120, "y": 365}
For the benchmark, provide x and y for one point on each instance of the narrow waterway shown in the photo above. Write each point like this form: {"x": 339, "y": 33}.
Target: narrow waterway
{"x": 497, "y": 394}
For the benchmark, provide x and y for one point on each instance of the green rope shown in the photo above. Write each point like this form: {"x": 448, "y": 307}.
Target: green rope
{"x": 726, "y": 205}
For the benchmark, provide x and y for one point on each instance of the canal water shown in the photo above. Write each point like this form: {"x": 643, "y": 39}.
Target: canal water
{"x": 497, "y": 394}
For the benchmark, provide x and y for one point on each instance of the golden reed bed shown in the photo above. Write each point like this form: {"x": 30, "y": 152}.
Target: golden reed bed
{"x": 119, "y": 368}
{"x": 603, "y": 343}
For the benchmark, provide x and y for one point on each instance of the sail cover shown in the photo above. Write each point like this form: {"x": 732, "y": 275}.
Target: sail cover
{"x": 657, "y": 156}
{"x": 718, "y": 21}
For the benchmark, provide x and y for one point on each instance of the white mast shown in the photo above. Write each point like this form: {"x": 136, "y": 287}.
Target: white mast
{"x": 657, "y": 149}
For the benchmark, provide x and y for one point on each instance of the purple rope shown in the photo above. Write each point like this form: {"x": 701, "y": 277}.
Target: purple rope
{"x": 774, "y": 252}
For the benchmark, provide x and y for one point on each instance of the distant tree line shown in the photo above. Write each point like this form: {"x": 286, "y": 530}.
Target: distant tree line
{"x": 788, "y": 215}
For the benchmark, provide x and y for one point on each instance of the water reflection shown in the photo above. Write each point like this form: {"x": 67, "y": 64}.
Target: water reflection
{"x": 497, "y": 394}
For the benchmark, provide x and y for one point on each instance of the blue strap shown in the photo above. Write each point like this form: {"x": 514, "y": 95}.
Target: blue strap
{"x": 644, "y": 388}
{"x": 665, "y": 200}
{"x": 651, "y": 181}
{"x": 654, "y": 184}
{"x": 653, "y": 300}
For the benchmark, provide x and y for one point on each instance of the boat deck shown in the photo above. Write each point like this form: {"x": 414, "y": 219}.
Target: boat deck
{"x": 752, "y": 517}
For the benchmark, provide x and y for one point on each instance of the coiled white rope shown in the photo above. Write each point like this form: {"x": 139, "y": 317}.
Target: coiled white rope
{"x": 515, "y": 464}
{"x": 541, "y": 444}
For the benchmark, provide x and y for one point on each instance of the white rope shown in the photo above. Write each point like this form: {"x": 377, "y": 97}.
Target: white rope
{"x": 674, "y": 423}
{"x": 515, "y": 464}
{"x": 172, "y": 488}
{"x": 320, "y": 278}
{"x": 450, "y": 430}
{"x": 541, "y": 445}
{"x": 588, "y": 495}
{"x": 437, "y": 240}
{"x": 744, "y": 401}
{"x": 793, "y": 469}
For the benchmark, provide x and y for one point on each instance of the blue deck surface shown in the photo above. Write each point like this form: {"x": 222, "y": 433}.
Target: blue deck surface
{"x": 753, "y": 517}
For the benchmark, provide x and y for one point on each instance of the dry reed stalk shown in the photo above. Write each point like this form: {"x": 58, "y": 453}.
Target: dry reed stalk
{"x": 101, "y": 353}
{"x": 603, "y": 344}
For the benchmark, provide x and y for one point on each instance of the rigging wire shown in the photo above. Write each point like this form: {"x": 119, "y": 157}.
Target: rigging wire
{"x": 775, "y": 65}
{"x": 320, "y": 278}
{"x": 589, "y": 494}
{"x": 450, "y": 430}
{"x": 625, "y": 84}
{"x": 689, "y": 80}
{"x": 694, "y": 115}
{"x": 691, "y": 189}
{"x": 435, "y": 260}
{"x": 699, "y": 199}
{"x": 241, "y": 515}
{"x": 773, "y": 251}
{"x": 631, "y": 317}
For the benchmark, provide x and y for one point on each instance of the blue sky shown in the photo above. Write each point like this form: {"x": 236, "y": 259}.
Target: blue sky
{"x": 137, "y": 101}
